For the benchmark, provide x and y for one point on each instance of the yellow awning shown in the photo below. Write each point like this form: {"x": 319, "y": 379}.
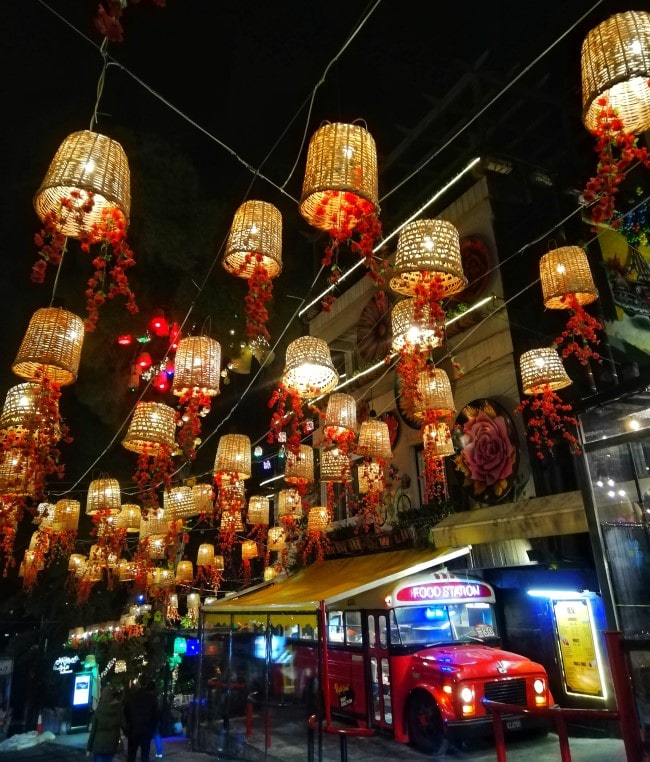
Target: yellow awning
{"x": 335, "y": 580}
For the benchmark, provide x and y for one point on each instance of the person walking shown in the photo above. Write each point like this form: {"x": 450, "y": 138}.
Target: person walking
{"x": 140, "y": 721}
{"x": 104, "y": 738}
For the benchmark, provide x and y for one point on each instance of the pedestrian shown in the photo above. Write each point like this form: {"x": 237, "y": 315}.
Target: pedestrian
{"x": 105, "y": 739}
{"x": 140, "y": 721}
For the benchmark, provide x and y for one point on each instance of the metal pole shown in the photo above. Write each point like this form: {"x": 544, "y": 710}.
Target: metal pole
{"x": 198, "y": 687}
{"x": 625, "y": 698}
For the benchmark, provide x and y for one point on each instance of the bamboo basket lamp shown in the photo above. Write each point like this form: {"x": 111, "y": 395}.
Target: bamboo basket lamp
{"x": 434, "y": 393}
{"x": 231, "y": 521}
{"x": 179, "y": 502}
{"x": 258, "y": 510}
{"x": 203, "y": 495}
{"x": 232, "y": 495}
{"x": 184, "y": 572}
{"x": 205, "y": 555}
{"x": 374, "y": 440}
{"x": 276, "y": 538}
{"x": 103, "y": 495}
{"x": 299, "y": 468}
{"x": 66, "y": 515}
{"x": 51, "y": 346}
{"x": 615, "y": 64}
{"x": 428, "y": 251}
{"x": 410, "y": 329}
{"x": 255, "y": 239}
{"x": 197, "y": 366}
{"x": 370, "y": 476}
{"x": 335, "y": 466}
{"x": 91, "y": 164}
{"x": 541, "y": 368}
{"x": 437, "y": 441}
{"x": 270, "y": 574}
{"x": 129, "y": 518}
{"x": 289, "y": 503}
{"x": 22, "y": 417}
{"x": 566, "y": 271}
{"x": 318, "y": 519}
{"x": 233, "y": 456}
{"x": 309, "y": 371}
{"x": 340, "y": 415}
{"x": 152, "y": 429}
{"x": 16, "y": 479}
{"x": 248, "y": 550}
{"x": 340, "y": 183}
{"x": 156, "y": 547}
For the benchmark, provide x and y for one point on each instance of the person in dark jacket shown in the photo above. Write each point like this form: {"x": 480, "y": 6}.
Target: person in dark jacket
{"x": 104, "y": 738}
{"x": 140, "y": 721}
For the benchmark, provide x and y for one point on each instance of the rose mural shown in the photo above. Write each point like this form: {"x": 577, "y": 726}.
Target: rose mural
{"x": 489, "y": 456}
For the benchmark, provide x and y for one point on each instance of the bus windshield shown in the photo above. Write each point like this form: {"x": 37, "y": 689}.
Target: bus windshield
{"x": 442, "y": 623}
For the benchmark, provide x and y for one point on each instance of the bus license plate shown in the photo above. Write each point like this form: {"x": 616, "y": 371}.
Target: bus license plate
{"x": 513, "y": 724}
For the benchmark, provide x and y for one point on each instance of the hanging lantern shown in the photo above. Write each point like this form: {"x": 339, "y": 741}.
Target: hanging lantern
{"x": 428, "y": 251}
{"x": 318, "y": 519}
{"x": 66, "y": 515}
{"x": 231, "y": 521}
{"x": 232, "y": 494}
{"x": 437, "y": 440}
{"x": 125, "y": 571}
{"x": 152, "y": 428}
{"x": 203, "y": 497}
{"x": 179, "y": 502}
{"x": 248, "y": 550}
{"x": 410, "y": 329}
{"x": 158, "y": 324}
{"x": 205, "y": 555}
{"x": 300, "y": 467}
{"x": 270, "y": 574}
{"x": 184, "y": 572}
{"x": 197, "y": 365}
{"x": 103, "y": 495}
{"x": 615, "y": 64}
{"x": 51, "y": 346}
{"x": 16, "y": 478}
{"x": 541, "y": 368}
{"x": 156, "y": 523}
{"x": 144, "y": 360}
{"x": 255, "y": 239}
{"x": 335, "y": 466}
{"x": 233, "y": 456}
{"x": 156, "y": 546}
{"x": 120, "y": 666}
{"x": 370, "y": 476}
{"x": 129, "y": 517}
{"x": 45, "y": 515}
{"x": 434, "y": 393}
{"x": 75, "y": 560}
{"x": 341, "y": 415}
{"x": 340, "y": 184}
{"x": 258, "y": 510}
{"x": 21, "y": 415}
{"x": 276, "y": 539}
{"x": 289, "y": 503}
{"x": 309, "y": 370}
{"x": 193, "y": 604}
{"x": 566, "y": 271}
{"x": 374, "y": 440}
{"x": 91, "y": 164}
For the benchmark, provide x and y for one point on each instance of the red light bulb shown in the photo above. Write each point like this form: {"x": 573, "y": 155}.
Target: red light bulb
{"x": 144, "y": 360}
{"x": 162, "y": 382}
{"x": 125, "y": 340}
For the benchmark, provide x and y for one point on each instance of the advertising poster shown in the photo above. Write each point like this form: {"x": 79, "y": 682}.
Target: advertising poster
{"x": 81, "y": 694}
{"x": 577, "y": 648}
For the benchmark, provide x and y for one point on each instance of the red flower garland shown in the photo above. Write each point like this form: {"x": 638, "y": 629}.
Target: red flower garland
{"x": 289, "y": 422}
{"x": 260, "y": 291}
{"x": 548, "y": 414}
{"x": 583, "y": 326}
{"x": 193, "y": 405}
{"x": 155, "y": 468}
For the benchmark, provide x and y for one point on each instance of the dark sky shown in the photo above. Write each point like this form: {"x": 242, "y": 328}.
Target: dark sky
{"x": 243, "y": 72}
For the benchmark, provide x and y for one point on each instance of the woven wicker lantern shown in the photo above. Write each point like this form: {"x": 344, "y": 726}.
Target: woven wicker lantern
{"x": 103, "y": 495}
{"x": 289, "y": 503}
{"x": 203, "y": 495}
{"x": 335, "y": 466}
{"x": 309, "y": 370}
{"x": 184, "y": 572}
{"x": 374, "y": 440}
{"x": 370, "y": 476}
{"x": 419, "y": 331}
{"x": 45, "y": 515}
{"x": 157, "y": 523}
{"x": 340, "y": 184}
{"x": 233, "y": 456}
{"x": 428, "y": 250}
{"x": 232, "y": 495}
{"x": 341, "y": 415}
{"x": 156, "y": 547}
{"x": 541, "y": 368}
{"x": 51, "y": 346}
{"x": 437, "y": 440}
{"x": 197, "y": 365}
{"x": 270, "y": 574}
{"x": 258, "y": 510}
{"x": 255, "y": 238}
{"x": 193, "y": 605}
{"x": 318, "y": 519}
{"x": 90, "y": 163}
{"x": 129, "y": 517}
{"x": 75, "y": 560}
{"x": 152, "y": 429}
{"x": 616, "y": 64}
{"x": 434, "y": 393}
{"x": 248, "y": 550}
{"x": 21, "y": 417}
{"x": 179, "y": 502}
{"x": 16, "y": 478}
{"x": 205, "y": 555}
{"x": 231, "y": 521}
{"x": 299, "y": 468}
{"x": 276, "y": 539}
{"x": 66, "y": 515}
{"x": 566, "y": 271}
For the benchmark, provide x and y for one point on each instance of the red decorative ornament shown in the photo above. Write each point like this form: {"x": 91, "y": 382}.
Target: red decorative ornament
{"x": 579, "y": 337}
{"x": 548, "y": 415}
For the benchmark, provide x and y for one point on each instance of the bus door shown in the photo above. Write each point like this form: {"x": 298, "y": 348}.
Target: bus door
{"x": 376, "y": 650}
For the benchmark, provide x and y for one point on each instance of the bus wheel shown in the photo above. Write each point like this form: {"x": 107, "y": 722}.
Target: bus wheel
{"x": 425, "y": 724}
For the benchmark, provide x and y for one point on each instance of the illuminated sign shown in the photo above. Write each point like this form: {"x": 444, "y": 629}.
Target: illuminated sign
{"x": 63, "y": 665}
{"x": 578, "y": 645}
{"x": 448, "y": 590}
{"x": 81, "y": 694}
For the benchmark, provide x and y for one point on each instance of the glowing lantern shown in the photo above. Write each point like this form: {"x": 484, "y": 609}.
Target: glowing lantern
{"x": 434, "y": 393}
{"x": 309, "y": 370}
{"x": 410, "y": 329}
{"x": 371, "y": 477}
{"x": 144, "y": 360}
{"x": 563, "y": 272}
{"x": 233, "y": 456}
{"x": 184, "y": 572}
{"x": 258, "y": 510}
{"x": 248, "y": 549}
{"x": 289, "y": 503}
{"x": 159, "y": 326}
{"x": 197, "y": 366}
{"x": 341, "y": 415}
{"x": 205, "y": 555}
{"x": 255, "y": 239}
{"x": 374, "y": 440}
{"x": 334, "y": 466}
{"x": 179, "y": 502}
{"x": 318, "y": 519}
{"x": 300, "y": 466}
{"x": 437, "y": 440}
{"x": 276, "y": 539}
{"x": 152, "y": 428}
{"x": 103, "y": 495}
{"x": 542, "y": 368}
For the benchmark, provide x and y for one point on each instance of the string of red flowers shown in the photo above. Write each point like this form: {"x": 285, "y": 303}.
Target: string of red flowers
{"x": 435, "y": 475}
{"x": 289, "y": 422}
{"x": 193, "y": 404}
{"x": 579, "y": 336}
{"x": 260, "y": 291}
{"x": 208, "y": 577}
{"x": 108, "y": 19}
{"x": 547, "y": 414}
{"x": 155, "y": 468}
{"x": 616, "y": 150}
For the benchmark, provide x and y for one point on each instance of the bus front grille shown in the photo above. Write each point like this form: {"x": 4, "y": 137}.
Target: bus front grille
{"x": 507, "y": 691}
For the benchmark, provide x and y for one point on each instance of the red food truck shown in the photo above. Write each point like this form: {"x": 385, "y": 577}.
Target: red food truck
{"x": 404, "y": 653}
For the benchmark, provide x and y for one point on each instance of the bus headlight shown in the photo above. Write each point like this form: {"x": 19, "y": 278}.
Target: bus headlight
{"x": 539, "y": 686}
{"x": 467, "y": 701}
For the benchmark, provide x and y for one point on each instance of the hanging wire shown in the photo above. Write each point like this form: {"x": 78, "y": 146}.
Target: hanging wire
{"x": 103, "y": 48}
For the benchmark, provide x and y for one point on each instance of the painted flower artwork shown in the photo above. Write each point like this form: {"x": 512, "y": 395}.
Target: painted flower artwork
{"x": 488, "y": 458}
